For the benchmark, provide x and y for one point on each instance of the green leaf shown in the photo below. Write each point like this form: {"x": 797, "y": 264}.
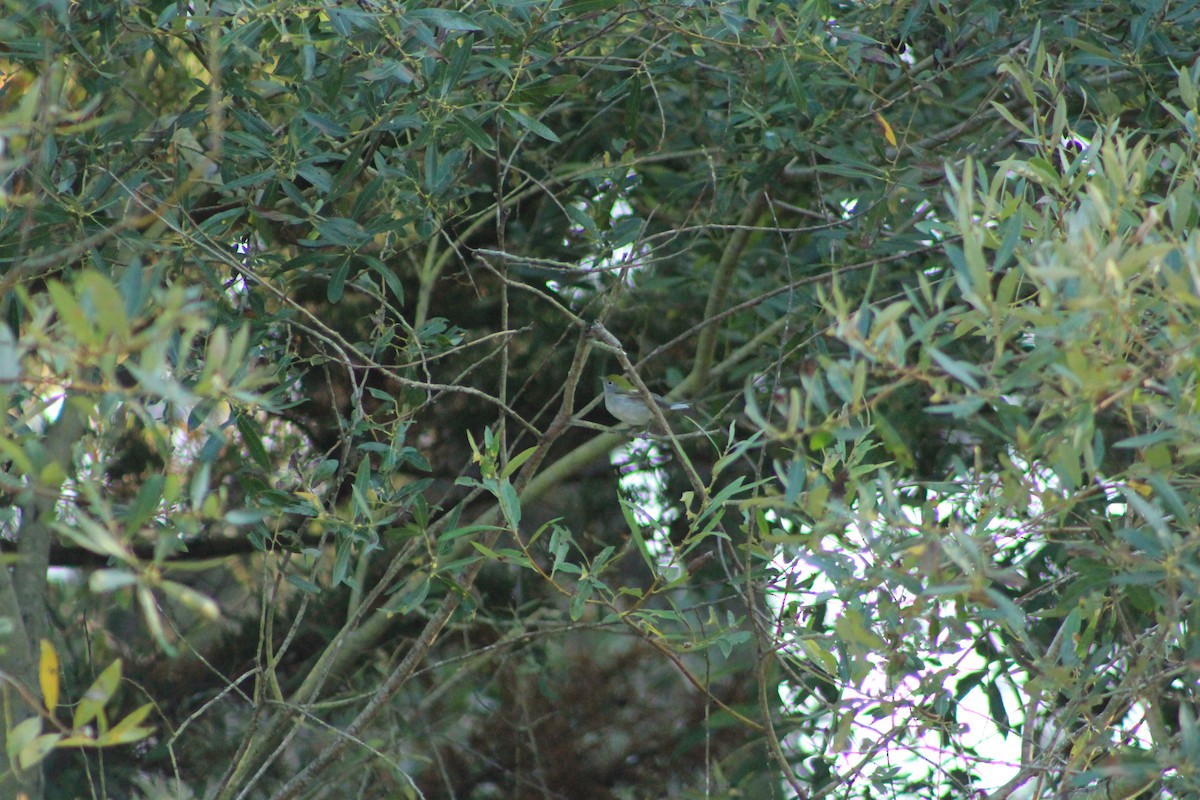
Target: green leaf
{"x": 516, "y": 461}
{"x": 583, "y": 593}
{"x": 410, "y": 600}
{"x": 960, "y": 370}
{"x": 146, "y": 503}
{"x": 1189, "y": 733}
{"x": 340, "y": 232}
{"x": 1066, "y": 638}
{"x": 530, "y": 124}
{"x": 851, "y": 628}
{"x": 103, "y": 581}
{"x": 559, "y": 547}
{"x": 91, "y": 705}
{"x": 99, "y": 292}
{"x": 968, "y": 682}
{"x": 1013, "y": 228}
{"x": 486, "y": 551}
{"x": 996, "y": 707}
{"x": 466, "y": 530}
{"x": 133, "y": 288}
{"x": 824, "y": 659}
{"x": 304, "y": 585}
{"x": 445, "y": 19}
{"x": 1171, "y": 499}
{"x": 725, "y": 494}
{"x": 1147, "y": 439}
{"x": 22, "y": 735}
{"x": 21, "y": 463}
{"x": 91, "y": 535}
{"x": 510, "y": 505}
{"x": 191, "y": 599}
{"x": 730, "y": 639}
{"x": 341, "y": 561}
{"x": 252, "y": 438}
{"x": 1013, "y": 616}
{"x": 71, "y": 313}
{"x": 635, "y": 530}
{"x": 475, "y": 134}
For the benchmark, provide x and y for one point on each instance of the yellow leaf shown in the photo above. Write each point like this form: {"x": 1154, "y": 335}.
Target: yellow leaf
{"x": 48, "y": 671}
{"x": 36, "y": 750}
{"x": 1141, "y": 488}
{"x": 887, "y": 129}
{"x": 128, "y": 729}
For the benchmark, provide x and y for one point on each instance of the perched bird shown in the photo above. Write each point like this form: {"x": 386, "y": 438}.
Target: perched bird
{"x": 624, "y": 401}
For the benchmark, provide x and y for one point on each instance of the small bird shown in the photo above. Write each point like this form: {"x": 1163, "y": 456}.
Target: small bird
{"x": 625, "y": 402}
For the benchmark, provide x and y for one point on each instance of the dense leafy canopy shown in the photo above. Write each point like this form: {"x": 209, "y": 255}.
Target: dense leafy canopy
{"x": 305, "y": 491}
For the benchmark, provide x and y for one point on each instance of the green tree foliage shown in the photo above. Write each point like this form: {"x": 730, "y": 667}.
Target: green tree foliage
{"x": 306, "y": 491}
